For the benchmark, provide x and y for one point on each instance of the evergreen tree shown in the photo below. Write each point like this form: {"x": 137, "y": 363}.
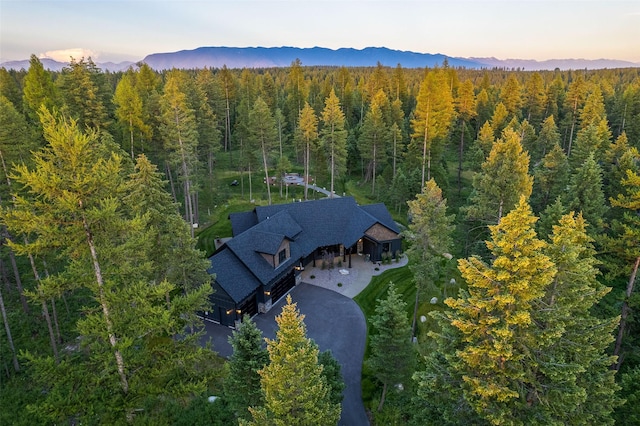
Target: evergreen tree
{"x": 432, "y": 119}
{"x": 547, "y": 139}
{"x": 181, "y": 139}
{"x": 503, "y": 180}
{"x": 392, "y": 355}
{"x": 374, "y": 134}
{"x": 129, "y": 109}
{"x": 506, "y": 352}
{"x": 331, "y": 371}
{"x": 307, "y": 137}
{"x": 295, "y": 391}
{"x": 511, "y": 96}
{"x": 242, "y": 385}
{"x": 585, "y": 194}
{"x": 334, "y": 137}
{"x": 84, "y": 94}
{"x": 72, "y": 205}
{"x": 551, "y": 178}
{"x": 485, "y": 351}
{"x": 263, "y": 134}
{"x": 173, "y": 253}
{"x": 430, "y": 236}
{"x": 625, "y": 244}
{"x": 38, "y": 90}
{"x": 570, "y": 386}
{"x": 535, "y": 99}
{"x": 465, "y": 103}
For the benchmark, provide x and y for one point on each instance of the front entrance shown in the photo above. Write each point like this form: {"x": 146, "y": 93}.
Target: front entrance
{"x": 283, "y": 286}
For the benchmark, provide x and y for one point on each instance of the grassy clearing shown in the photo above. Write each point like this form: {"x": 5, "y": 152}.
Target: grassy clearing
{"x": 220, "y": 225}
{"x": 369, "y": 298}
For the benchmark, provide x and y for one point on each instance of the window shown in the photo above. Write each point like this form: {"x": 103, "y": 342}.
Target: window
{"x": 282, "y": 256}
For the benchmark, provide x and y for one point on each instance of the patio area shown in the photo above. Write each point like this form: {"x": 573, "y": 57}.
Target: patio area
{"x": 353, "y": 280}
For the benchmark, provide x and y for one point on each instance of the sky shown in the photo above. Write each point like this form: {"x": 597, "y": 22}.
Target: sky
{"x": 128, "y": 30}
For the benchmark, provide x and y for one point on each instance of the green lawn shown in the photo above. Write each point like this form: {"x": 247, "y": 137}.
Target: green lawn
{"x": 220, "y": 226}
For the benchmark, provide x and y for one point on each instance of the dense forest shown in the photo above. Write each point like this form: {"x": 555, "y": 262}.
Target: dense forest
{"x": 529, "y": 179}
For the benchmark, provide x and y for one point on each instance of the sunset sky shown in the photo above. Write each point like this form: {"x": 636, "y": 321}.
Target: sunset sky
{"x": 118, "y": 30}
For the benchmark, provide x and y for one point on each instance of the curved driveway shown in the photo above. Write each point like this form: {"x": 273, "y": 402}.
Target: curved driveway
{"x": 334, "y": 322}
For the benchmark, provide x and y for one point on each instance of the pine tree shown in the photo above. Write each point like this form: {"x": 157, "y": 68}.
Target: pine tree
{"x": 465, "y": 103}
{"x": 495, "y": 315}
{"x": 72, "y": 205}
{"x": 570, "y": 386}
{"x": 242, "y": 385}
{"x": 84, "y": 93}
{"x": 551, "y": 178}
{"x": 482, "y": 349}
{"x": 430, "y": 237}
{"x": 625, "y": 244}
{"x": 39, "y": 90}
{"x": 334, "y": 137}
{"x": 374, "y": 135}
{"x": 307, "y": 138}
{"x": 181, "y": 138}
{"x": 535, "y": 99}
{"x": 511, "y": 96}
{"x": 432, "y": 119}
{"x": 547, "y": 139}
{"x": 392, "y": 355}
{"x": 263, "y": 133}
{"x": 331, "y": 371}
{"x": 174, "y": 254}
{"x": 585, "y": 194}
{"x": 507, "y": 351}
{"x": 129, "y": 109}
{"x": 503, "y": 180}
{"x": 295, "y": 392}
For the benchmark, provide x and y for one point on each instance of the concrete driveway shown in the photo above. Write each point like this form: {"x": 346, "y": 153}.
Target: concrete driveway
{"x": 334, "y": 322}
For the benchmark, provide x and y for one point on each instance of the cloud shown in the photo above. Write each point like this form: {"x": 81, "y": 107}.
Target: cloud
{"x": 64, "y": 55}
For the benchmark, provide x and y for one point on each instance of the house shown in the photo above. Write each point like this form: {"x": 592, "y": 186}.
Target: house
{"x": 272, "y": 244}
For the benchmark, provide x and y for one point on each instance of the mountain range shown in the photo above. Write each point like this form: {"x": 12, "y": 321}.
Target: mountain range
{"x": 270, "y": 57}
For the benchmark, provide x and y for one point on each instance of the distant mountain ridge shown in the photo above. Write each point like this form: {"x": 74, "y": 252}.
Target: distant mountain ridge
{"x": 270, "y": 57}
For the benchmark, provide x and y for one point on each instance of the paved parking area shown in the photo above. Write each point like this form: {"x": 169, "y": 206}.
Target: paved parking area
{"x": 334, "y": 322}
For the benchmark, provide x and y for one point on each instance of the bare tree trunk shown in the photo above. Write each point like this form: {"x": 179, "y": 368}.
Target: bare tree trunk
{"x": 395, "y": 144}
{"x": 333, "y": 165}
{"x": 460, "y": 154}
{"x": 266, "y": 171}
{"x": 573, "y": 125}
{"x": 3, "y": 272}
{"x": 424, "y": 145}
{"x": 45, "y": 308}
{"x": 52, "y": 337}
{"x": 7, "y": 329}
{"x": 373, "y": 172}
{"x": 105, "y": 307}
{"x": 625, "y": 313}
{"x": 173, "y": 188}
{"x": 16, "y": 274}
{"x": 131, "y": 133}
{"x": 306, "y": 170}
{"x": 382, "y": 397}
{"x": 55, "y": 319}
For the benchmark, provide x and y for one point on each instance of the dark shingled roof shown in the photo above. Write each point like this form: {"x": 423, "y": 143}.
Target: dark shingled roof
{"x": 308, "y": 225}
{"x": 233, "y": 277}
{"x": 380, "y": 212}
{"x": 240, "y": 222}
{"x": 266, "y": 242}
